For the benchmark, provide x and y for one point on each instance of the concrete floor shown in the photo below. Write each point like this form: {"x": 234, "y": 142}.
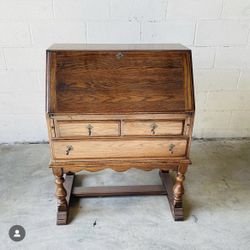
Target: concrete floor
{"x": 217, "y": 204}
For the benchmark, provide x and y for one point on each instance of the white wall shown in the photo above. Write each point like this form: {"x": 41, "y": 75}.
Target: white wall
{"x": 217, "y": 31}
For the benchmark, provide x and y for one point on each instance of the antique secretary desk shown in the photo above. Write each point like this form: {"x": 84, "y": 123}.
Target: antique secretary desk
{"x": 119, "y": 107}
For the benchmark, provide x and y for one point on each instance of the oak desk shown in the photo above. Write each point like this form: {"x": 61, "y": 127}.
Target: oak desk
{"x": 119, "y": 106}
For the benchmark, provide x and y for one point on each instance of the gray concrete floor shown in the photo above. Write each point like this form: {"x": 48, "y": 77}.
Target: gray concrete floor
{"x": 217, "y": 204}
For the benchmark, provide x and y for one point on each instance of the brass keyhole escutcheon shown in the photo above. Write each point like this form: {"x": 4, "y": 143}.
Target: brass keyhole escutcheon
{"x": 90, "y": 127}
{"x": 68, "y": 149}
{"x": 153, "y": 128}
{"x": 119, "y": 55}
{"x": 171, "y": 148}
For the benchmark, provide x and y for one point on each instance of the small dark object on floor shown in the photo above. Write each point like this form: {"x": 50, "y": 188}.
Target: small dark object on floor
{"x": 195, "y": 218}
{"x": 94, "y": 224}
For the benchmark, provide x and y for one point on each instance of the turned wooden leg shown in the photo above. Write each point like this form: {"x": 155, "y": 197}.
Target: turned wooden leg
{"x": 175, "y": 191}
{"x": 178, "y": 188}
{"x": 62, "y": 208}
{"x": 178, "y": 191}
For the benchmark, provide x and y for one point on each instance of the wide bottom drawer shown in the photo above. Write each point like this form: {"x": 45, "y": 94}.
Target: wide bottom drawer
{"x": 122, "y": 148}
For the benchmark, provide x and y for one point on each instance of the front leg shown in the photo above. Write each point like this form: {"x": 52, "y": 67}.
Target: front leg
{"x": 62, "y": 208}
{"x": 178, "y": 191}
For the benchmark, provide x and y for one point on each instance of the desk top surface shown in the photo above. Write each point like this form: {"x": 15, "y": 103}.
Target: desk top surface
{"x": 123, "y": 47}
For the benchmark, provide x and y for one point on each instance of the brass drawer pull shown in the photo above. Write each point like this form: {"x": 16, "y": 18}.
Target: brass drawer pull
{"x": 171, "y": 148}
{"x": 153, "y": 128}
{"x": 69, "y": 148}
{"x": 90, "y": 127}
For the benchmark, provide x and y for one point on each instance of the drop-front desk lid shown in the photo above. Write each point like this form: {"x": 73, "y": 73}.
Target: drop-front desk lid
{"x": 119, "y": 79}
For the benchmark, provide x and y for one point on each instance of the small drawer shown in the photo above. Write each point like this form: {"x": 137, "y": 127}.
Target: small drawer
{"x": 153, "y": 127}
{"x": 119, "y": 148}
{"x": 87, "y": 128}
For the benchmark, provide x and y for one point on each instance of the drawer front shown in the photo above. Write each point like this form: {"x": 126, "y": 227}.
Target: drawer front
{"x": 153, "y": 127}
{"x": 117, "y": 148}
{"x": 87, "y": 128}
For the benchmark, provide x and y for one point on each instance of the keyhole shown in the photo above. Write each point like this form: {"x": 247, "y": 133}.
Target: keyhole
{"x": 119, "y": 55}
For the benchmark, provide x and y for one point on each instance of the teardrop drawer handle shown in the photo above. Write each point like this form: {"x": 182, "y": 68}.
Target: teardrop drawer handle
{"x": 68, "y": 149}
{"x": 90, "y": 127}
{"x": 171, "y": 148}
{"x": 153, "y": 128}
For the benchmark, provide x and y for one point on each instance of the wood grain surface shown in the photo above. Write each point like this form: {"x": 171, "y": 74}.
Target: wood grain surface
{"x": 152, "y": 127}
{"x": 123, "y": 148}
{"x": 87, "y": 128}
{"x": 95, "y": 82}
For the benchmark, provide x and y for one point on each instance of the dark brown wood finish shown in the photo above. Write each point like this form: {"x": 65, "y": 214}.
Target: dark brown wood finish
{"x": 119, "y": 106}
{"x": 177, "y": 211}
{"x": 118, "y": 191}
{"x": 110, "y": 191}
{"x": 99, "y": 82}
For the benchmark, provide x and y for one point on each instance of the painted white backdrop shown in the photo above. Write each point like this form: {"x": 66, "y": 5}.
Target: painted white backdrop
{"x": 217, "y": 31}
